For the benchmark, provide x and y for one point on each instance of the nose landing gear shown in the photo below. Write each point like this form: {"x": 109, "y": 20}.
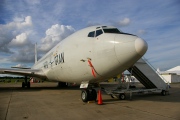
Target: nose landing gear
{"x": 88, "y": 95}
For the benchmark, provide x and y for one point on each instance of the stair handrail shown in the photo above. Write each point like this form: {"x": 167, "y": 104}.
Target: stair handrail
{"x": 157, "y": 72}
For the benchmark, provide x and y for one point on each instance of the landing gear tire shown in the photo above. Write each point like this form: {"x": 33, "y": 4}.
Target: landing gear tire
{"x": 88, "y": 95}
{"x": 28, "y": 84}
{"x": 122, "y": 96}
{"x": 85, "y": 95}
{"x": 23, "y": 84}
{"x": 62, "y": 84}
{"x": 163, "y": 93}
{"x": 93, "y": 94}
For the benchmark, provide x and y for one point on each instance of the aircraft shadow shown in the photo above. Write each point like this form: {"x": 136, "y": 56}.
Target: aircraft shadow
{"x": 37, "y": 88}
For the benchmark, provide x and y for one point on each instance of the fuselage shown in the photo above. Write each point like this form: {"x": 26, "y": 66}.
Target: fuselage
{"x": 92, "y": 54}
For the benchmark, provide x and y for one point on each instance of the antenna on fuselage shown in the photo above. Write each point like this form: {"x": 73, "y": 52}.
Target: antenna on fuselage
{"x": 35, "y": 52}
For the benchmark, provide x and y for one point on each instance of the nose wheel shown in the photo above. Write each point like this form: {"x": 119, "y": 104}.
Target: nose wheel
{"x": 88, "y": 95}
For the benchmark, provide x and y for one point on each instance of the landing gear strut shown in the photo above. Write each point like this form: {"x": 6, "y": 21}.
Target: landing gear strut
{"x": 88, "y": 95}
{"x": 26, "y": 83}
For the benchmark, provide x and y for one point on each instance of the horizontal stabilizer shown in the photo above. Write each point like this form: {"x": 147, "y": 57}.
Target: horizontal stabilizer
{"x": 20, "y": 67}
{"x": 23, "y": 72}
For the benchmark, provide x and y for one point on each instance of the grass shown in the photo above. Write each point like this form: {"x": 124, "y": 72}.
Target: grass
{"x": 11, "y": 80}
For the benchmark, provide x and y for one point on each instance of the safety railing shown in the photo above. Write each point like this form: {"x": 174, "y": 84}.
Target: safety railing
{"x": 154, "y": 69}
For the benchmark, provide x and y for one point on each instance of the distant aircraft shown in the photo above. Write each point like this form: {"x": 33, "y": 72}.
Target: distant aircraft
{"x": 87, "y": 57}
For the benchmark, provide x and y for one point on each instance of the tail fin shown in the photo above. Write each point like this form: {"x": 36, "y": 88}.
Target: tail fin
{"x": 35, "y": 52}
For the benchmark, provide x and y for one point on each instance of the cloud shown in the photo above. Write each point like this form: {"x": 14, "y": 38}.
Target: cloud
{"x": 141, "y": 32}
{"x": 124, "y": 22}
{"x": 14, "y": 39}
{"x": 120, "y": 23}
{"x": 4, "y": 59}
{"x": 90, "y": 23}
{"x": 164, "y": 54}
{"x": 54, "y": 35}
{"x": 5, "y": 37}
{"x": 33, "y": 2}
{"x": 20, "y": 65}
{"x": 18, "y": 25}
{"x": 23, "y": 55}
{"x": 4, "y": 48}
{"x": 20, "y": 41}
{"x": 9, "y": 32}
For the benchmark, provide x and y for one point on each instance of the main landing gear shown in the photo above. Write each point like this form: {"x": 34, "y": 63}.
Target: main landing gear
{"x": 62, "y": 84}
{"x": 26, "y": 83}
{"x": 88, "y": 95}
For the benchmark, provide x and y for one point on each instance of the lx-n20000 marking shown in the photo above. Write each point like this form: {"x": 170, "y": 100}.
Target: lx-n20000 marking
{"x": 58, "y": 59}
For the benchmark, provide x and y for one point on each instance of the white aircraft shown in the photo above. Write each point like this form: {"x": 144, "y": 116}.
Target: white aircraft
{"x": 87, "y": 57}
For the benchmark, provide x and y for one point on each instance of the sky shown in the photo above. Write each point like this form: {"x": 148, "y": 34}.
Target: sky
{"x": 47, "y": 22}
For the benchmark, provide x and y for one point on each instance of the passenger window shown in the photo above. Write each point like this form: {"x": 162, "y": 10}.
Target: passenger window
{"x": 91, "y": 34}
{"x": 98, "y": 32}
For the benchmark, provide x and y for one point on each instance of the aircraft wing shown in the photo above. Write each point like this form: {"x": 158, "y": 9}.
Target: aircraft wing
{"x": 23, "y": 72}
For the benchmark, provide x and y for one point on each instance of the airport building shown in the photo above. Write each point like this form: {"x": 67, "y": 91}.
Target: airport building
{"x": 172, "y": 75}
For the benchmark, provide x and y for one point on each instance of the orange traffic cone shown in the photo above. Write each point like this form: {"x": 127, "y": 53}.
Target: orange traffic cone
{"x": 99, "y": 98}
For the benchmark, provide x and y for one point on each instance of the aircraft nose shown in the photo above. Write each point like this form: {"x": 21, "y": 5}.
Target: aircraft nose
{"x": 141, "y": 46}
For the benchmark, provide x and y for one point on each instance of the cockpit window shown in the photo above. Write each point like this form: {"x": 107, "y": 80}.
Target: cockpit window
{"x": 99, "y": 32}
{"x": 112, "y": 30}
{"x": 91, "y": 34}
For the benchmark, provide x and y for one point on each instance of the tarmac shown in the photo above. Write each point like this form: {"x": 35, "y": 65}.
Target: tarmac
{"x": 44, "y": 101}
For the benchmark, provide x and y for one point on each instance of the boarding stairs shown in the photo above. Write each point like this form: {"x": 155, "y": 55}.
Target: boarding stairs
{"x": 147, "y": 75}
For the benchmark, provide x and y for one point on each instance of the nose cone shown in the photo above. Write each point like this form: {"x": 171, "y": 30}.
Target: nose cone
{"x": 141, "y": 46}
